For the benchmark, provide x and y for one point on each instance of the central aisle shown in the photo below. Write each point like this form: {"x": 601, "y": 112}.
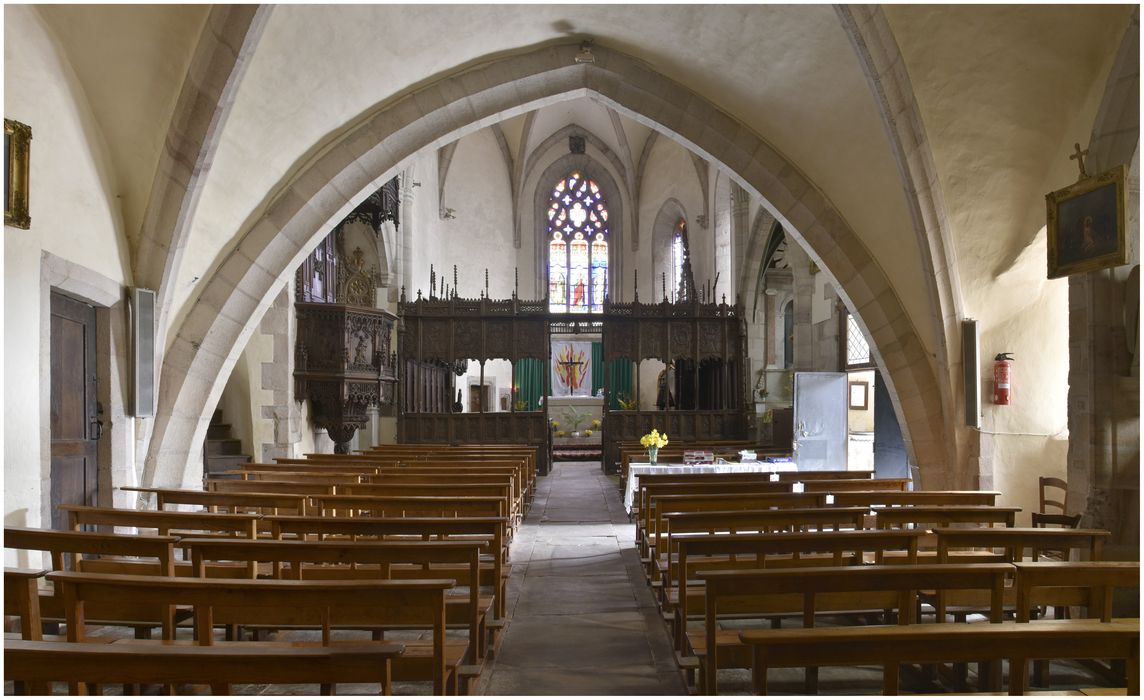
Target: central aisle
{"x": 583, "y": 621}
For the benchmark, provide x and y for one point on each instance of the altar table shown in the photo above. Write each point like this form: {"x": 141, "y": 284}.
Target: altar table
{"x": 636, "y": 469}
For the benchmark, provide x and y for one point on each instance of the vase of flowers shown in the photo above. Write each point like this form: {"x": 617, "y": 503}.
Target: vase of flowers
{"x": 653, "y": 441}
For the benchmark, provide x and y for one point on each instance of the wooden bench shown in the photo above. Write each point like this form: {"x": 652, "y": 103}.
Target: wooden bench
{"x": 493, "y": 530}
{"x": 770, "y": 550}
{"x": 410, "y": 506}
{"x": 38, "y": 662}
{"x": 842, "y": 485}
{"x": 175, "y": 523}
{"x": 303, "y": 476}
{"x": 316, "y": 487}
{"x": 891, "y": 646}
{"x": 322, "y": 605}
{"x": 1085, "y": 583}
{"x": 843, "y": 588}
{"x": 652, "y": 521}
{"x": 65, "y": 548}
{"x": 341, "y": 560}
{"x": 458, "y": 487}
{"x": 22, "y": 600}
{"x": 926, "y": 518}
{"x": 748, "y": 521}
{"x": 220, "y": 502}
{"x": 916, "y": 498}
{"x": 1015, "y": 540}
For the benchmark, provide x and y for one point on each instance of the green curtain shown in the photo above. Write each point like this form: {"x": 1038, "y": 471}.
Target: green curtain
{"x": 597, "y": 367}
{"x": 620, "y": 382}
{"x": 528, "y": 379}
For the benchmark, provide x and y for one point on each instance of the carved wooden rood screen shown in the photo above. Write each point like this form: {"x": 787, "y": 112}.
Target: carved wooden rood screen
{"x": 437, "y": 336}
{"x": 707, "y": 343}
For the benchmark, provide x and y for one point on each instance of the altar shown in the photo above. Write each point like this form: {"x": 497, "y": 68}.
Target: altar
{"x": 636, "y": 469}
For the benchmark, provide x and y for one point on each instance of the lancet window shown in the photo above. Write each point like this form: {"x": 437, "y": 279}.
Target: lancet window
{"x": 577, "y": 234}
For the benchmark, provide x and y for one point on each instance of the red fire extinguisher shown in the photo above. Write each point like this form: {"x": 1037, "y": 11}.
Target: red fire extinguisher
{"x": 1003, "y": 378}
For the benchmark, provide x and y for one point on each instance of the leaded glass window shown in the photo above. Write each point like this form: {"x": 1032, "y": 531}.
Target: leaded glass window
{"x": 857, "y": 349}
{"x": 577, "y": 246}
{"x": 678, "y": 255}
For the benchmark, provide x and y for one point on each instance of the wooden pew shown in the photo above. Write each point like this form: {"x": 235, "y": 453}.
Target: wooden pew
{"x": 840, "y": 485}
{"x": 329, "y": 477}
{"x": 65, "y": 548}
{"x": 652, "y": 521}
{"x": 302, "y": 466}
{"x": 925, "y": 518}
{"x": 1015, "y": 540}
{"x": 220, "y": 502}
{"x": 916, "y": 498}
{"x": 175, "y": 523}
{"x": 494, "y": 530}
{"x": 747, "y": 483}
{"x": 318, "y": 604}
{"x": 823, "y": 589}
{"x": 782, "y": 550}
{"x": 751, "y": 521}
{"x": 944, "y": 516}
{"x": 458, "y": 487}
{"x": 341, "y": 560}
{"x": 892, "y": 646}
{"x": 316, "y": 487}
{"x": 1085, "y": 583}
{"x": 22, "y": 600}
{"x": 45, "y": 662}
{"x": 411, "y": 506}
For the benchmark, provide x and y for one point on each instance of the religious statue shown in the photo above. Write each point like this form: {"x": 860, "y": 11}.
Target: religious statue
{"x": 664, "y": 397}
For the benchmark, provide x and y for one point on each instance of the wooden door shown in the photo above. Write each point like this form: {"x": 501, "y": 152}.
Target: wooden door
{"x": 75, "y": 427}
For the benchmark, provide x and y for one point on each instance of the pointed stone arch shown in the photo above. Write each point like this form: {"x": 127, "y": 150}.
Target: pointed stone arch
{"x": 370, "y": 151}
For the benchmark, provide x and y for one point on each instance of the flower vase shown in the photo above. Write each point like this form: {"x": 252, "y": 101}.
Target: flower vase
{"x": 652, "y": 454}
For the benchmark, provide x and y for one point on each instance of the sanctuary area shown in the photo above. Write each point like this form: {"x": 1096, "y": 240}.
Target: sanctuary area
{"x": 571, "y": 350}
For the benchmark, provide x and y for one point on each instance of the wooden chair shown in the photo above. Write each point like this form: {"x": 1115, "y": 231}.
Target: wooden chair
{"x": 1058, "y": 488}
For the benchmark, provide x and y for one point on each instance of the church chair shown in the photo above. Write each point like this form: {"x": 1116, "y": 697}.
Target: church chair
{"x": 1051, "y": 488}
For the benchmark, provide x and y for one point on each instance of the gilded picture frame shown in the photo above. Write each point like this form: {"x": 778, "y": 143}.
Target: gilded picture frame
{"x": 1087, "y": 224}
{"x": 17, "y": 150}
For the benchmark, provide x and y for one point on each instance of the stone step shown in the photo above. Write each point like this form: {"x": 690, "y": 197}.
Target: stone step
{"x": 218, "y": 431}
{"x": 213, "y": 464}
{"x": 222, "y": 446}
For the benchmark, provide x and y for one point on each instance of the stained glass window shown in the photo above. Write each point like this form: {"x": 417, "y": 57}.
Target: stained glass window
{"x": 577, "y": 246}
{"x": 678, "y": 254}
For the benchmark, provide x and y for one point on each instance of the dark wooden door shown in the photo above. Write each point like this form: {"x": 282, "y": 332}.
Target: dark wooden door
{"x": 74, "y": 423}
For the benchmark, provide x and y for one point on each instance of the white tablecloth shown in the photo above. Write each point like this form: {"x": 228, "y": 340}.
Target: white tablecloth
{"x": 637, "y": 469}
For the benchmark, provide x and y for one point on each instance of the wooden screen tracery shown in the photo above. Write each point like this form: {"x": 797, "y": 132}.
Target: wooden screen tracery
{"x": 707, "y": 343}
{"x": 436, "y": 337}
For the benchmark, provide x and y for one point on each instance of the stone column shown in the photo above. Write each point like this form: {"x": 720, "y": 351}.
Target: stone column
{"x": 278, "y": 379}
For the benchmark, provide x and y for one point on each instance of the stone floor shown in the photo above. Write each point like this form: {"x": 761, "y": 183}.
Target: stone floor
{"x": 583, "y": 618}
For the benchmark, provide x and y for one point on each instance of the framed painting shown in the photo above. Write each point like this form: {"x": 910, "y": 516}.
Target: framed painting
{"x": 17, "y": 151}
{"x": 859, "y": 396}
{"x": 1087, "y": 224}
